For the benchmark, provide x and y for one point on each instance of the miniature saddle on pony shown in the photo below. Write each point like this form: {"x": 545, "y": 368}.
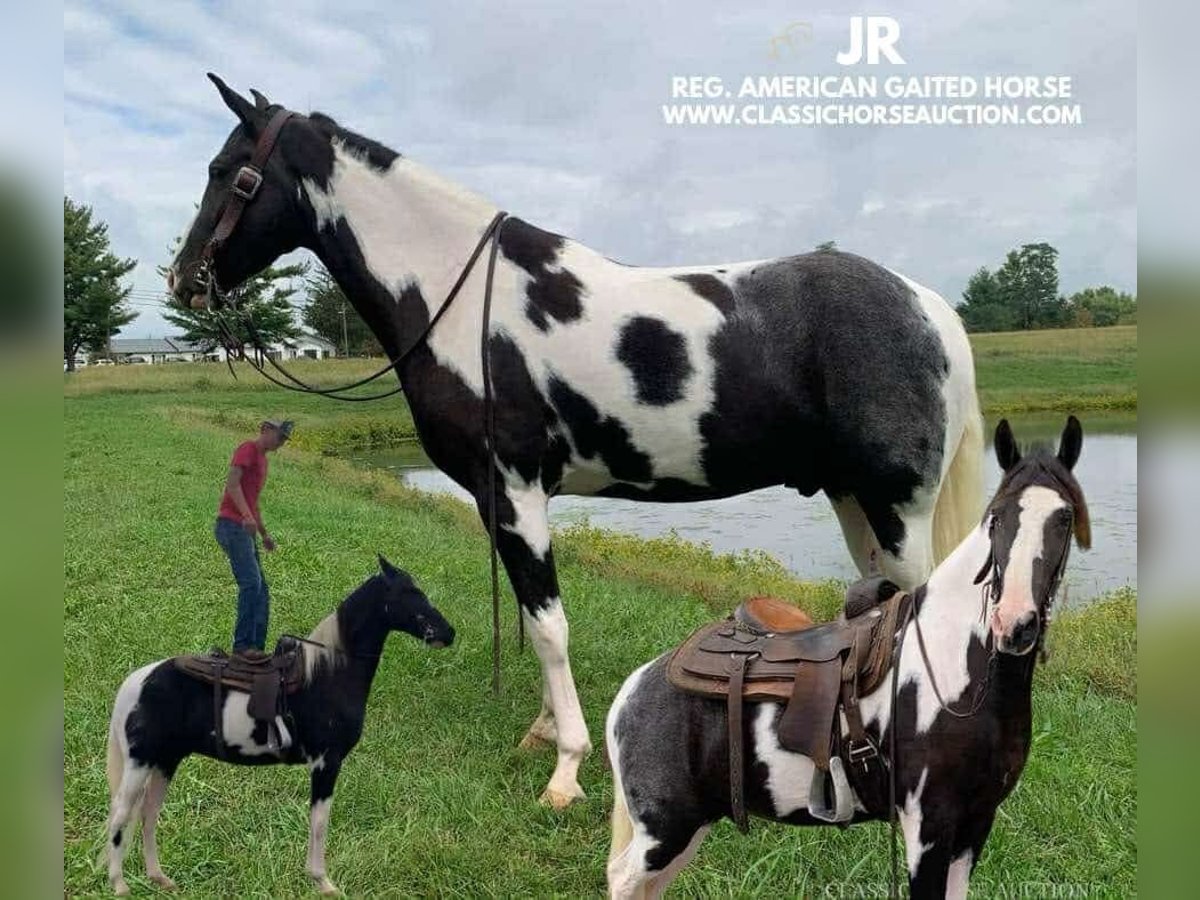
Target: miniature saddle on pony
{"x": 267, "y": 678}
{"x": 769, "y": 650}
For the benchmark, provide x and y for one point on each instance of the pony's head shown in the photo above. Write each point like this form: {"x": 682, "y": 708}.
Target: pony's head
{"x": 404, "y": 607}
{"x": 1037, "y": 509}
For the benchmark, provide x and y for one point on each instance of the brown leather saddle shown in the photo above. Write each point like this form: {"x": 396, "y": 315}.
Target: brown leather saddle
{"x": 267, "y": 678}
{"x": 769, "y": 650}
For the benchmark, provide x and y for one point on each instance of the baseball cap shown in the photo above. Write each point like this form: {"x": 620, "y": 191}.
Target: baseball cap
{"x": 283, "y": 426}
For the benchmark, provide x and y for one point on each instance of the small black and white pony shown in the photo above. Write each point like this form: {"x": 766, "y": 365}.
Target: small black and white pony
{"x": 669, "y": 749}
{"x": 822, "y": 372}
{"x": 161, "y": 716}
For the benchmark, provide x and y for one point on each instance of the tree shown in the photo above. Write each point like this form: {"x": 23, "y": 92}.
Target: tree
{"x": 1028, "y": 281}
{"x": 329, "y": 314}
{"x": 264, "y": 312}
{"x": 826, "y": 245}
{"x": 984, "y": 307}
{"x": 1102, "y": 306}
{"x": 93, "y": 296}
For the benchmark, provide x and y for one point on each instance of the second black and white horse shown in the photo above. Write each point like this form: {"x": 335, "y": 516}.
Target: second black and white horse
{"x": 161, "y": 716}
{"x": 670, "y": 750}
{"x": 822, "y": 372}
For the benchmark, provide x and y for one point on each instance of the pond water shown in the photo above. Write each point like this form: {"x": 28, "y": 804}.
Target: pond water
{"x": 803, "y": 533}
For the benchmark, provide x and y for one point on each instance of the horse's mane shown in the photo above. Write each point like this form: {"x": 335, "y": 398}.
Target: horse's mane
{"x": 372, "y": 151}
{"x": 329, "y": 635}
{"x": 1040, "y": 465}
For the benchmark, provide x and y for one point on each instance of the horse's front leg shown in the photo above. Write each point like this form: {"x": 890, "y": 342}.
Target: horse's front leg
{"x": 523, "y": 538}
{"x": 324, "y": 776}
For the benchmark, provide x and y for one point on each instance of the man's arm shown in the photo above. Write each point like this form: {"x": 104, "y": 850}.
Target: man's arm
{"x": 233, "y": 487}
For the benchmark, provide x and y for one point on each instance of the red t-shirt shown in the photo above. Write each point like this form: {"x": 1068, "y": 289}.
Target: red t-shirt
{"x": 253, "y": 463}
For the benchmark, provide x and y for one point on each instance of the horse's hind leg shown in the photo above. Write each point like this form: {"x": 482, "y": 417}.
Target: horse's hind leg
{"x": 631, "y": 872}
{"x": 156, "y": 790}
{"x": 125, "y": 807}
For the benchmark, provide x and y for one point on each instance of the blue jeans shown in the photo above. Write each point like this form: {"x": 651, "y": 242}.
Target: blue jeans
{"x": 254, "y": 598}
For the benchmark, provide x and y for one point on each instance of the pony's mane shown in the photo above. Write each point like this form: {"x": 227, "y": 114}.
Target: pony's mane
{"x": 1040, "y": 465}
{"x": 377, "y": 154}
{"x": 329, "y": 634}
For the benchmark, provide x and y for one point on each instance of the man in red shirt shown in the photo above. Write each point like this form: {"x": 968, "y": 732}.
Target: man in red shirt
{"x": 238, "y": 521}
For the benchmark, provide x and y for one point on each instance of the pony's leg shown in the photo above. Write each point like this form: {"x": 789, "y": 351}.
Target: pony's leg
{"x": 324, "y": 776}
{"x": 156, "y": 790}
{"x": 661, "y": 881}
{"x": 860, "y": 538}
{"x": 125, "y": 807}
{"x": 629, "y": 867}
{"x": 543, "y": 732}
{"x": 523, "y": 539}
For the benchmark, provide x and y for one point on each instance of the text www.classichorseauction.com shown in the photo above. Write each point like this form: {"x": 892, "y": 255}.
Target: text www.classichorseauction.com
{"x": 961, "y": 100}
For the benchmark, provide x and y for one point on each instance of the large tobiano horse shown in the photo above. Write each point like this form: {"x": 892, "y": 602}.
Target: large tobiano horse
{"x": 823, "y": 372}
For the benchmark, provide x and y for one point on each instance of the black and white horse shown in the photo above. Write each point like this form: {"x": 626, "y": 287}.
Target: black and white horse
{"x": 823, "y": 372}
{"x": 669, "y": 750}
{"x": 161, "y": 716}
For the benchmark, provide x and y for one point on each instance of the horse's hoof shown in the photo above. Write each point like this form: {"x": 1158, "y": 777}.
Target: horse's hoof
{"x": 120, "y": 888}
{"x": 328, "y": 888}
{"x": 534, "y": 743}
{"x": 558, "y": 801}
{"x": 164, "y": 882}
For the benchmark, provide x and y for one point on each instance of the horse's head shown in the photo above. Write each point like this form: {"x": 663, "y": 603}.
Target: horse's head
{"x": 253, "y": 193}
{"x": 406, "y": 608}
{"x": 1036, "y": 510}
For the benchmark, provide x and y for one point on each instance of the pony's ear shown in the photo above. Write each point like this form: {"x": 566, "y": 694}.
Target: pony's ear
{"x": 1070, "y": 443}
{"x": 1008, "y": 454}
{"x": 260, "y": 102}
{"x": 389, "y": 571}
{"x": 241, "y": 107}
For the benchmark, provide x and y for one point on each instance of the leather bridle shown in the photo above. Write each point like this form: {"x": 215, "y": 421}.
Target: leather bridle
{"x": 242, "y": 191}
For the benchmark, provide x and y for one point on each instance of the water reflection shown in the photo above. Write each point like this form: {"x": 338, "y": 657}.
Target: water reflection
{"x": 803, "y": 533}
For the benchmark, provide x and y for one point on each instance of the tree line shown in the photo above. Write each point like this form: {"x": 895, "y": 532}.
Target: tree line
{"x": 1022, "y": 293}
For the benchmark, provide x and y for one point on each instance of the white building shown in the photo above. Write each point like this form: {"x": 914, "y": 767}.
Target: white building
{"x": 162, "y": 350}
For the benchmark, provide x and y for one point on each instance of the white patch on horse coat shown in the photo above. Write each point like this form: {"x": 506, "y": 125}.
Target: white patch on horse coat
{"x": 789, "y": 775}
{"x": 326, "y": 633}
{"x": 1016, "y": 601}
{"x": 529, "y": 510}
{"x": 548, "y": 632}
{"x": 959, "y": 876}
{"x": 238, "y": 727}
{"x": 318, "y": 828}
{"x": 128, "y": 696}
{"x": 950, "y": 618}
{"x": 910, "y": 824}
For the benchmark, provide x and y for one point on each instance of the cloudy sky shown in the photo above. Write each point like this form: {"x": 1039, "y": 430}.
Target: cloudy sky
{"x": 553, "y": 111}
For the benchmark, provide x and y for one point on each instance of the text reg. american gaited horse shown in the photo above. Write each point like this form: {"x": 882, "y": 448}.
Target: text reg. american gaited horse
{"x": 822, "y": 372}
{"x": 162, "y": 715}
{"x": 962, "y": 718}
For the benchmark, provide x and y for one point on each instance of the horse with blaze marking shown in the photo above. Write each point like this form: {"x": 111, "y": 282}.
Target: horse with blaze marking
{"x": 161, "y": 716}
{"x": 822, "y": 372}
{"x": 961, "y": 720}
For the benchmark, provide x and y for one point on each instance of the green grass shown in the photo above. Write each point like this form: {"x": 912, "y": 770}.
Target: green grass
{"x": 1065, "y": 370}
{"x": 437, "y": 800}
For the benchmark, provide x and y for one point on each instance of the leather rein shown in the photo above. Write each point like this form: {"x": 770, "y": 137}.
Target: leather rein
{"x": 242, "y": 192}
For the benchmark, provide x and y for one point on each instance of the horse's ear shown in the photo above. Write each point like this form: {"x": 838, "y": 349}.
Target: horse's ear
{"x": 389, "y": 571}
{"x": 1071, "y": 443}
{"x": 241, "y": 107}
{"x": 1008, "y": 454}
{"x": 260, "y": 102}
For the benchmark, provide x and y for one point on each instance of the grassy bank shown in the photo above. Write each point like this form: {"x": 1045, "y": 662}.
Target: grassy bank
{"x": 437, "y": 799}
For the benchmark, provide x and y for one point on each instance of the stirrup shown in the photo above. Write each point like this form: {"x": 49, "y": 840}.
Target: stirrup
{"x": 825, "y": 784}
{"x": 278, "y": 736}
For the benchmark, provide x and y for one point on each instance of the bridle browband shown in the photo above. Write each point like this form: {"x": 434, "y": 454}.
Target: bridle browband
{"x": 242, "y": 191}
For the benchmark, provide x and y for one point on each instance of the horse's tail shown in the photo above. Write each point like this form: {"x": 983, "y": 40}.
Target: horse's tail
{"x": 960, "y": 500}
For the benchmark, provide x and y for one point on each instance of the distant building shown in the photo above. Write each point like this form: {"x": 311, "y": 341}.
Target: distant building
{"x": 163, "y": 350}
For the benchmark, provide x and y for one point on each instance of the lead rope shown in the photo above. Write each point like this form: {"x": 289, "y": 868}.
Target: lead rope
{"x": 489, "y": 422}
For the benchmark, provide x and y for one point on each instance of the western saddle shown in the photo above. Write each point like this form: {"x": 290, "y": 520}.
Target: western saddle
{"x": 769, "y": 650}
{"x": 267, "y": 678}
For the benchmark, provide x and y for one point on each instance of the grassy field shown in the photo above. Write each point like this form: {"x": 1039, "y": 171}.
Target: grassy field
{"x": 1066, "y": 370}
{"x": 437, "y": 800}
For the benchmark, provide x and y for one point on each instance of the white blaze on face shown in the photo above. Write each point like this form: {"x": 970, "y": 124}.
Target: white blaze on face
{"x": 1017, "y": 600}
